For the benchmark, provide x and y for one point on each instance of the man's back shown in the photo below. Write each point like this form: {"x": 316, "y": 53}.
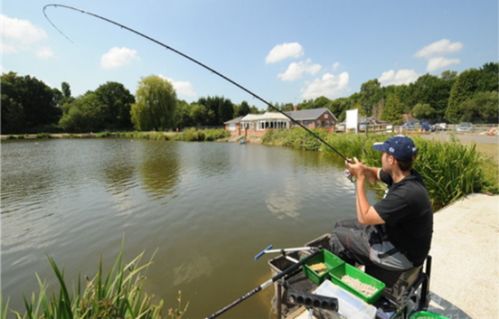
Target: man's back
{"x": 406, "y": 210}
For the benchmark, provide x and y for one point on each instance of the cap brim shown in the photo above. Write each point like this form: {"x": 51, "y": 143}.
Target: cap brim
{"x": 380, "y": 146}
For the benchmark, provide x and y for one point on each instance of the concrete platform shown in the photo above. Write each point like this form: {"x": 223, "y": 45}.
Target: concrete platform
{"x": 465, "y": 251}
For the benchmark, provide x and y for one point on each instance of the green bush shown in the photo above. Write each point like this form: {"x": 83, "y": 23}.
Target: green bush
{"x": 117, "y": 294}
{"x": 449, "y": 170}
{"x": 193, "y": 135}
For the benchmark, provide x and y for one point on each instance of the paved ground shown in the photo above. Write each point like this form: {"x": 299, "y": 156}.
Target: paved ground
{"x": 466, "y": 138}
{"x": 465, "y": 250}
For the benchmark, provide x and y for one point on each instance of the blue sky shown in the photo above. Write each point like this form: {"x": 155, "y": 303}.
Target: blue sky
{"x": 285, "y": 51}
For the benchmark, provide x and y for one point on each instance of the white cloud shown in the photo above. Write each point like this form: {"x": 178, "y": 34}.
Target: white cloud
{"x": 329, "y": 85}
{"x": 336, "y": 65}
{"x": 440, "y": 62}
{"x": 19, "y": 35}
{"x": 183, "y": 88}
{"x": 20, "y": 31}
{"x": 296, "y": 69}
{"x": 440, "y": 47}
{"x": 402, "y": 76}
{"x": 45, "y": 53}
{"x": 284, "y": 51}
{"x": 7, "y": 48}
{"x": 117, "y": 57}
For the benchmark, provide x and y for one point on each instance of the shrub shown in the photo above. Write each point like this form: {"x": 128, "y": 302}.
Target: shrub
{"x": 449, "y": 170}
{"x": 118, "y": 294}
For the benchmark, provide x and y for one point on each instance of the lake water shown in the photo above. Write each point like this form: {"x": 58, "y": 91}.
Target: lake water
{"x": 204, "y": 209}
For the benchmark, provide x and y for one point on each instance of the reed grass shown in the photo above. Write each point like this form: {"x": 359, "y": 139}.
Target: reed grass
{"x": 194, "y": 135}
{"x": 116, "y": 294}
{"x": 450, "y": 170}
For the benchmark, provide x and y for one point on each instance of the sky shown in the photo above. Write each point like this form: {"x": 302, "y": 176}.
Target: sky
{"x": 284, "y": 51}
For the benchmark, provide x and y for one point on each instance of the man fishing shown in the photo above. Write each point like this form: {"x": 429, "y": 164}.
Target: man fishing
{"x": 394, "y": 233}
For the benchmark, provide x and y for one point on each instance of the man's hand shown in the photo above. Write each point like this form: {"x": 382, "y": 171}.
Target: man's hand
{"x": 356, "y": 168}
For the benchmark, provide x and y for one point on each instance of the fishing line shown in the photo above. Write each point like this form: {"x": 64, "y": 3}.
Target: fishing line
{"x": 53, "y": 5}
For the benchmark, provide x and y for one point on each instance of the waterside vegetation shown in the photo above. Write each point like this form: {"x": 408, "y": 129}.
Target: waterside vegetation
{"x": 188, "y": 135}
{"x": 450, "y": 170}
{"x": 118, "y": 293}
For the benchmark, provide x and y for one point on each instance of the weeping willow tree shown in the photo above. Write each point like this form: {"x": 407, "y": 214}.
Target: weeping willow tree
{"x": 155, "y": 104}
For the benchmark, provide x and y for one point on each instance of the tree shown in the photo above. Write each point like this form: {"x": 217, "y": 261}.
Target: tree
{"x": 201, "y": 115}
{"x": 393, "y": 109}
{"x": 12, "y": 116}
{"x": 66, "y": 92}
{"x": 423, "y": 111}
{"x": 84, "y": 114}
{"x": 244, "y": 109}
{"x": 465, "y": 86}
{"x": 431, "y": 90}
{"x": 116, "y": 102}
{"x": 482, "y": 107}
{"x": 155, "y": 104}
{"x": 370, "y": 95}
{"x": 489, "y": 77}
{"x": 218, "y": 110}
{"x": 34, "y": 98}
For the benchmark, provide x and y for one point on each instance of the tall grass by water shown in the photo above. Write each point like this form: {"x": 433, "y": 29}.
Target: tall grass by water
{"x": 450, "y": 170}
{"x": 188, "y": 135}
{"x": 118, "y": 293}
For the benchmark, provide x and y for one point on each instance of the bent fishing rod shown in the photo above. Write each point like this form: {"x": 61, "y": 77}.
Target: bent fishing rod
{"x": 54, "y": 5}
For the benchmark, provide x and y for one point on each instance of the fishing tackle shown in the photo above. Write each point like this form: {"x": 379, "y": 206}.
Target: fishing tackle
{"x": 53, "y": 5}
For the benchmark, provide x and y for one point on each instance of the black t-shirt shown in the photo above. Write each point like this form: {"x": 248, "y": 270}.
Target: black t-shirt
{"x": 406, "y": 210}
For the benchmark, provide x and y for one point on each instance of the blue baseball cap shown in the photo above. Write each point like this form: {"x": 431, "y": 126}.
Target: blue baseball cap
{"x": 400, "y": 146}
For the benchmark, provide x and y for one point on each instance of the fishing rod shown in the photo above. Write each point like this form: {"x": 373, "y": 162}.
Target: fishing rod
{"x": 54, "y": 5}
{"x": 291, "y": 269}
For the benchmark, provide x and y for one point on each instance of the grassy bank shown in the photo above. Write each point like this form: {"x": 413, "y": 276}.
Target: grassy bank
{"x": 450, "y": 170}
{"x": 116, "y": 294}
{"x": 186, "y": 135}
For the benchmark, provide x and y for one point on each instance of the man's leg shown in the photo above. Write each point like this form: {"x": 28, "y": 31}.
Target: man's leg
{"x": 350, "y": 241}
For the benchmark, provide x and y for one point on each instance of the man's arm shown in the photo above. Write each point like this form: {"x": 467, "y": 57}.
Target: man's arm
{"x": 366, "y": 214}
{"x": 372, "y": 173}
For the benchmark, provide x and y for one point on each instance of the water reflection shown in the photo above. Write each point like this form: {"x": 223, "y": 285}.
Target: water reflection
{"x": 285, "y": 201}
{"x": 160, "y": 168}
{"x": 194, "y": 268}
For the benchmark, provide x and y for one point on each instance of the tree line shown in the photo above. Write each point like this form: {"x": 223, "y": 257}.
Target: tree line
{"x": 470, "y": 96}
{"x": 28, "y": 105}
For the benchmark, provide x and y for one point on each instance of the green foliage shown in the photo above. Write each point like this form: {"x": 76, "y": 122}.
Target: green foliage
{"x": 116, "y": 102}
{"x": 464, "y": 88}
{"x": 84, "y": 114}
{"x": 431, "y": 90}
{"x": 482, "y": 107}
{"x": 155, "y": 104}
{"x": 29, "y": 104}
{"x": 116, "y": 294}
{"x": 450, "y": 170}
{"x": 216, "y": 111}
{"x": 370, "y": 95}
{"x": 243, "y": 109}
{"x": 193, "y": 135}
{"x": 12, "y": 115}
{"x": 393, "y": 109}
{"x": 467, "y": 85}
{"x": 423, "y": 111}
